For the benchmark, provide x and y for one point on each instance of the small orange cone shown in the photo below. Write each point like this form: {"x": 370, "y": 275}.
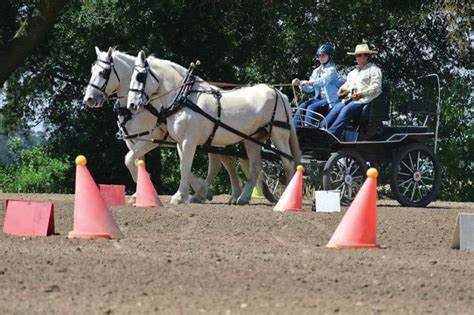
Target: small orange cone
{"x": 358, "y": 227}
{"x": 147, "y": 197}
{"x": 292, "y": 197}
{"x": 92, "y": 218}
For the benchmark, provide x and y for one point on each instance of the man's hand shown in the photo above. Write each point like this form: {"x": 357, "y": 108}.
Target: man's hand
{"x": 296, "y": 82}
{"x": 305, "y": 83}
{"x": 356, "y": 96}
{"x": 342, "y": 92}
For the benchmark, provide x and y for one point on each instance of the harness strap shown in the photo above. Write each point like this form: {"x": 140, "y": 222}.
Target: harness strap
{"x": 273, "y": 113}
{"x": 281, "y": 124}
{"x": 197, "y": 109}
{"x": 218, "y": 96}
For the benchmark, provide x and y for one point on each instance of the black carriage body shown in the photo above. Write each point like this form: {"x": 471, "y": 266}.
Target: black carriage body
{"x": 318, "y": 145}
{"x": 402, "y": 155}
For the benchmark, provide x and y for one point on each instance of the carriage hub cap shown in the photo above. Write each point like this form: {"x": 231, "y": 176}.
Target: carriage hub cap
{"x": 417, "y": 176}
{"x": 348, "y": 179}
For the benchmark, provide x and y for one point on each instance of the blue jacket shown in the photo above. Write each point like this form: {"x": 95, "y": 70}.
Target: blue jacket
{"x": 326, "y": 82}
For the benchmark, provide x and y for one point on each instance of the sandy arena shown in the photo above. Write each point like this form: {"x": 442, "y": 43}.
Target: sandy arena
{"x": 221, "y": 259}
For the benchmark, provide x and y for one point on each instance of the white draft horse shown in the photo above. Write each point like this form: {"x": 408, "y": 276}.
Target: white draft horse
{"x": 111, "y": 75}
{"x": 252, "y": 111}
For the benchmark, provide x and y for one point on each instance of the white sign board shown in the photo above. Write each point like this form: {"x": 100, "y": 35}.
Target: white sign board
{"x": 327, "y": 201}
{"x": 464, "y": 232}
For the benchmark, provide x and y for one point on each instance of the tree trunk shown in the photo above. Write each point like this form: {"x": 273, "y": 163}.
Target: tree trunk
{"x": 29, "y": 36}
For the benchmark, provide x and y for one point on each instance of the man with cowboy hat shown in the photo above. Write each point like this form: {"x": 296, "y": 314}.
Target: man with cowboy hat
{"x": 363, "y": 84}
{"x": 324, "y": 83}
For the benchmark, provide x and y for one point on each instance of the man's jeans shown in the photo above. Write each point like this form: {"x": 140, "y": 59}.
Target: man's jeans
{"x": 341, "y": 114}
{"x": 312, "y": 105}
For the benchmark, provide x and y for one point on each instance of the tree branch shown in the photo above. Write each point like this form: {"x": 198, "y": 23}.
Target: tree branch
{"x": 29, "y": 36}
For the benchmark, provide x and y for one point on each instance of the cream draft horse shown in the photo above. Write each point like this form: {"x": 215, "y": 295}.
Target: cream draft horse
{"x": 247, "y": 110}
{"x": 111, "y": 74}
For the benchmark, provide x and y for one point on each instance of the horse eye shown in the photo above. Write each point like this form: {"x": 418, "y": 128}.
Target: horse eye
{"x": 141, "y": 77}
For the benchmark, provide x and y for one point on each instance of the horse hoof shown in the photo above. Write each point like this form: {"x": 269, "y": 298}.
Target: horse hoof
{"x": 196, "y": 199}
{"x": 242, "y": 202}
{"x": 209, "y": 195}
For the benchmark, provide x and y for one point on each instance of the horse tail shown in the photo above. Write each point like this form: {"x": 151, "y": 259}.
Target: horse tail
{"x": 294, "y": 144}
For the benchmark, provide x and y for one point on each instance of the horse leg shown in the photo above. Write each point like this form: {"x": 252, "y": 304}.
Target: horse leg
{"x": 231, "y": 168}
{"x": 281, "y": 140}
{"x": 255, "y": 165}
{"x": 202, "y": 189}
{"x": 186, "y": 150}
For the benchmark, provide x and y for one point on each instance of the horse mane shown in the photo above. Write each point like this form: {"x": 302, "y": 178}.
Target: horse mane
{"x": 123, "y": 55}
{"x": 178, "y": 68}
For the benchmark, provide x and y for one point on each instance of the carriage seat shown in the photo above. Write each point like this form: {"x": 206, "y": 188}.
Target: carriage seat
{"x": 379, "y": 109}
{"x": 369, "y": 122}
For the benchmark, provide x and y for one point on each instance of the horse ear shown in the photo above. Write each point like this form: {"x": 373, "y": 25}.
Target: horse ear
{"x": 97, "y": 50}
{"x": 141, "y": 56}
{"x": 109, "y": 52}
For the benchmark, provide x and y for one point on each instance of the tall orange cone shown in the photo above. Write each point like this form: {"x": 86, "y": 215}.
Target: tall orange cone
{"x": 358, "y": 227}
{"x": 92, "y": 218}
{"x": 147, "y": 197}
{"x": 292, "y": 197}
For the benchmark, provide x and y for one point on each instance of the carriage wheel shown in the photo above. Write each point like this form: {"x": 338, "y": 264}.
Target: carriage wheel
{"x": 274, "y": 179}
{"x": 416, "y": 175}
{"x": 344, "y": 171}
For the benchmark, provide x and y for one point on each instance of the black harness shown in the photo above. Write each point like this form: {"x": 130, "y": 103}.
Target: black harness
{"x": 181, "y": 101}
{"x": 105, "y": 74}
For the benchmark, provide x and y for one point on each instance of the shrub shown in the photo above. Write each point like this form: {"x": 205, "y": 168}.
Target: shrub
{"x": 33, "y": 170}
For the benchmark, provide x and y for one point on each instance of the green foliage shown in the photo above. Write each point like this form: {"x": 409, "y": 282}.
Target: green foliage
{"x": 237, "y": 41}
{"x": 33, "y": 170}
{"x": 456, "y": 148}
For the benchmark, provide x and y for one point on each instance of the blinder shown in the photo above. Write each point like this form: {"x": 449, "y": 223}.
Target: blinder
{"x": 105, "y": 73}
{"x": 141, "y": 77}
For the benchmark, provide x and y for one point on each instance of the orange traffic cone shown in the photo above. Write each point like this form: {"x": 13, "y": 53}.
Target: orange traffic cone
{"x": 358, "y": 227}
{"x": 92, "y": 218}
{"x": 147, "y": 197}
{"x": 292, "y": 197}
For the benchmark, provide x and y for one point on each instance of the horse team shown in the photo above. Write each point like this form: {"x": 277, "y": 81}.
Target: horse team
{"x": 152, "y": 105}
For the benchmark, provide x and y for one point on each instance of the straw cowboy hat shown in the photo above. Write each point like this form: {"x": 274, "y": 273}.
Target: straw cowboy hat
{"x": 362, "y": 49}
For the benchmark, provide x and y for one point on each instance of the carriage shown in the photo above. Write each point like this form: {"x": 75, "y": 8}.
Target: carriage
{"x": 404, "y": 156}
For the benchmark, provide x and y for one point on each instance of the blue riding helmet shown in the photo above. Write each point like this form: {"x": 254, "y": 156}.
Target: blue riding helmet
{"x": 325, "y": 49}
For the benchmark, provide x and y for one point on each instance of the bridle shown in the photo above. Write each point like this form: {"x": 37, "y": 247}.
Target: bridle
{"x": 161, "y": 115}
{"x": 106, "y": 75}
{"x": 141, "y": 78}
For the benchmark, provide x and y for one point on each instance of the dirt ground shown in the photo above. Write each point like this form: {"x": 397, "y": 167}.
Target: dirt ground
{"x": 220, "y": 259}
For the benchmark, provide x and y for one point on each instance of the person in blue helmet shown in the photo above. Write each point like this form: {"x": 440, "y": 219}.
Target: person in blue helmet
{"x": 324, "y": 83}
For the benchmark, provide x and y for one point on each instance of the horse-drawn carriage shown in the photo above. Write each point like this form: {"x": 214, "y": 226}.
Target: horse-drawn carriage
{"x": 402, "y": 155}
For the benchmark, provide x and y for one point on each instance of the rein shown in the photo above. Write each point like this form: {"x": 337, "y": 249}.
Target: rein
{"x": 181, "y": 101}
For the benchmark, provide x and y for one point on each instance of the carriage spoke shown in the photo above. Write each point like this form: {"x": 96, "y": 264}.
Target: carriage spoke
{"x": 420, "y": 193}
{"x": 343, "y": 190}
{"x": 404, "y": 164}
{"x": 406, "y": 181}
{"x": 413, "y": 190}
{"x": 407, "y": 187}
{"x": 411, "y": 161}
{"x": 350, "y": 165}
{"x": 358, "y": 167}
